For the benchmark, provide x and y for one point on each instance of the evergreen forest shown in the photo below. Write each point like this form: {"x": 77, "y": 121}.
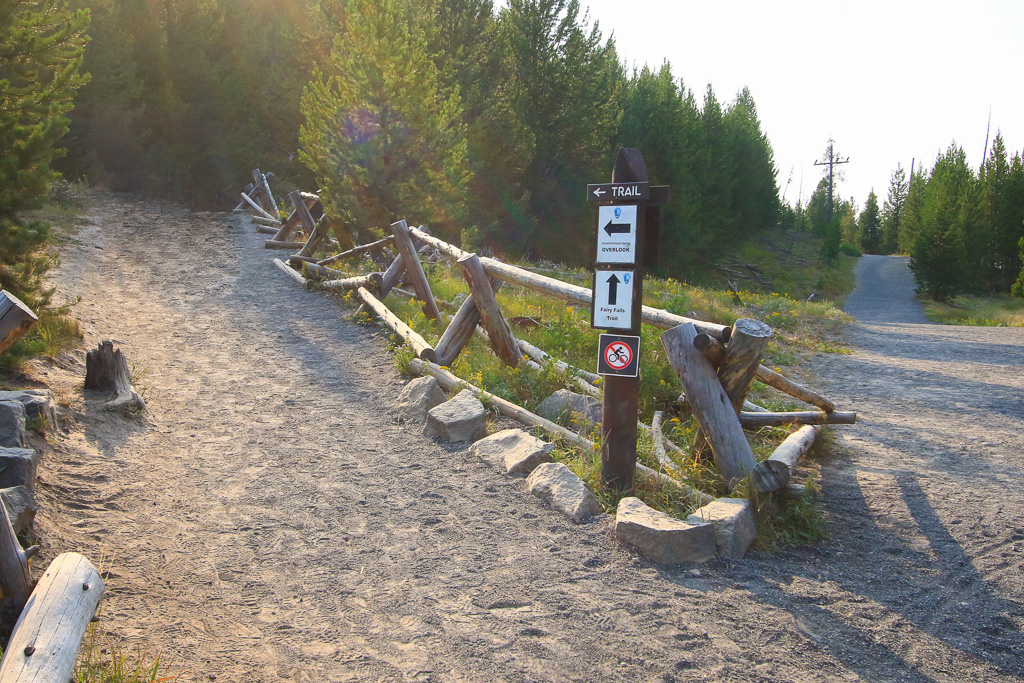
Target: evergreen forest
{"x": 483, "y": 122}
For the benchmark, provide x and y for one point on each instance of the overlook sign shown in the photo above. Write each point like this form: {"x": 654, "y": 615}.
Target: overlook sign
{"x": 616, "y": 234}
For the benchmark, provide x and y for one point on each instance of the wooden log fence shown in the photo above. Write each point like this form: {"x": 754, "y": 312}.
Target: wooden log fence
{"x": 267, "y": 200}
{"x": 715, "y": 363}
{"x": 775, "y": 472}
{"x": 15, "y": 319}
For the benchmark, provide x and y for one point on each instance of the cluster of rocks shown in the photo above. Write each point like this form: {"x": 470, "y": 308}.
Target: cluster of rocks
{"x": 18, "y": 462}
{"x": 724, "y": 527}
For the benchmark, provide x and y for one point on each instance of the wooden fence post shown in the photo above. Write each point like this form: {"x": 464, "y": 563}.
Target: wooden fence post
{"x": 413, "y": 269}
{"x": 266, "y": 196}
{"x": 285, "y": 229}
{"x": 460, "y": 329}
{"x": 742, "y": 357}
{"x": 502, "y": 341}
{"x": 711, "y": 405}
{"x": 15, "y": 319}
{"x": 15, "y": 577}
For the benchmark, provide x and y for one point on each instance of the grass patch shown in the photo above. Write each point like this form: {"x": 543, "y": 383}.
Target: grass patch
{"x": 56, "y": 331}
{"x": 110, "y": 661}
{"x": 994, "y": 310}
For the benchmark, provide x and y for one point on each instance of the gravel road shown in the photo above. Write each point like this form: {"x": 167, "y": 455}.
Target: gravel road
{"x": 269, "y": 520}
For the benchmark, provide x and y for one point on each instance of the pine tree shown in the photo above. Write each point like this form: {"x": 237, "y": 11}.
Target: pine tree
{"x": 869, "y": 226}
{"x": 384, "y": 141}
{"x": 892, "y": 211}
{"x": 41, "y": 48}
{"x": 755, "y": 195}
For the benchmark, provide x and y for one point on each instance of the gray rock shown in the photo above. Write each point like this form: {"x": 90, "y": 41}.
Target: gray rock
{"x": 513, "y": 449}
{"x": 733, "y": 522}
{"x": 461, "y": 419}
{"x": 12, "y": 424}
{"x": 39, "y": 404}
{"x": 572, "y": 410}
{"x": 18, "y": 467}
{"x": 661, "y": 538}
{"x": 21, "y": 508}
{"x": 417, "y": 398}
{"x": 554, "y": 482}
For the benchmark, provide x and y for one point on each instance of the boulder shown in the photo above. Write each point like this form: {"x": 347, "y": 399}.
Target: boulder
{"x": 417, "y": 398}
{"x": 733, "y": 522}
{"x": 555, "y": 483}
{"x": 574, "y": 411}
{"x": 39, "y": 405}
{"x": 661, "y": 538}
{"x": 18, "y": 467}
{"x": 21, "y": 509}
{"x": 514, "y": 449}
{"x": 461, "y": 419}
{"x": 12, "y": 424}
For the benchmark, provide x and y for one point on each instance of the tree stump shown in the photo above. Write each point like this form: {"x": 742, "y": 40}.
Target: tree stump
{"x": 106, "y": 369}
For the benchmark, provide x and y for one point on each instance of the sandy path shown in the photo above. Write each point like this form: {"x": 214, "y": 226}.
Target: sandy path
{"x": 271, "y": 522}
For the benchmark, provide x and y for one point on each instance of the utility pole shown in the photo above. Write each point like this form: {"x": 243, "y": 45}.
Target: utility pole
{"x": 832, "y": 162}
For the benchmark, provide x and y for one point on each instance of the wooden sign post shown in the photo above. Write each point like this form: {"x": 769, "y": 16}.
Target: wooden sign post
{"x": 617, "y": 305}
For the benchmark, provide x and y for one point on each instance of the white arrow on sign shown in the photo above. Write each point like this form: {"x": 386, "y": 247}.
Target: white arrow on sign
{"x": 613, "y": 299}
{"x": 598, "y": 192}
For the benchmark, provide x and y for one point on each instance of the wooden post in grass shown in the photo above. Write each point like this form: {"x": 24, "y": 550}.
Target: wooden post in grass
{"x": 710, "y": 404}
{"x": 460, "y": 329}
{"x": 742, "y": 357}
{"x": 266, "y": 196}
{"x": 45, "y": 642}
{"x": 15, "y": 319}
{"x": 15, "y": 577}
{"x": 502, "y": 341}
{"x": 414, "y": 270}
{"x": 292, "y": 220}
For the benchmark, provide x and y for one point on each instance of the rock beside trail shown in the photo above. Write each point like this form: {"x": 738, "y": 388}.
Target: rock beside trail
{"x": 21, "y": 508}
{"x": 418, "y": 397}
{"x": 12, "y": 424}
{"x": 732, "y": 520}
{"x": 461, "y": 419}
{"x": 513, "y": 449}
{"x": 555, "y": 483}
{"x": 574, "y": 411}
{"x": 661, "y": 538}
{"x": 18, "y": 467}
{"x": 39, "y": 404}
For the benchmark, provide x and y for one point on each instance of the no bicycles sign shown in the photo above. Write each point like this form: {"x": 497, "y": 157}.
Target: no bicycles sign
{"x": 618, "y": 355}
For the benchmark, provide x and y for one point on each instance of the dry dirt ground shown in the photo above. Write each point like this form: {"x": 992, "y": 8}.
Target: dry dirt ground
{"x": 269, "y": 520}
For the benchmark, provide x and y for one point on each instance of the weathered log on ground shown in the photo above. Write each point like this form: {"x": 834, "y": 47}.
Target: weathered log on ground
{"x": 419, "y": 345}
{"x": 413, "y": 268}
{"x": 292, "y": 273}
{"x": 266, "y": 196}
{"x": 47, "y": 637}
{"x": 714, "y": 351}
{"x": 448, "y": 382}
{"x": 16, "y": 319}
{"x": 462, "y": 326}
{"x": 251, "y": 191}
{"x": 775, "y": 472}
{"x": 371, "y": 282}
{"x": 742, "y": 357}
{"x": 277, "y": 244}
{"x": 106, "y": 369}
{"x": 564, "y": 290}
{"x": 753, "y": 420}
{"x": 264, "y": 230}
{"x": 393, "y": 275}
{"x": 311, "y": 271}
{"x": 15, "y": 577}
{"x": 658, "y": 442}
{"x": 266, "y": 223}
{"x": 502, "y": 341}
{"x": 564, "y": 368}
{"x": 256, "y": 207}
{"x": 710, "y": 404}
{"x": 356, "y": 251}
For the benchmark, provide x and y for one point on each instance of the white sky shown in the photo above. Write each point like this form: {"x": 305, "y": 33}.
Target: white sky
{"x": 888, "y": 80}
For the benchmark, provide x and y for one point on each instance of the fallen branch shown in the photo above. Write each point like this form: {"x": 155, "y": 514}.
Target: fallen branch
{"x": 294, "y": 274}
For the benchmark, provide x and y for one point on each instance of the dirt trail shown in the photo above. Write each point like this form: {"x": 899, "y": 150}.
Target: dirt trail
{"x": 270, "y": 521}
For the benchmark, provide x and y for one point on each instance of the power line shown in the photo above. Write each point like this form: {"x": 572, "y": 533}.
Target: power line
{"x": 832, "y": 162}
